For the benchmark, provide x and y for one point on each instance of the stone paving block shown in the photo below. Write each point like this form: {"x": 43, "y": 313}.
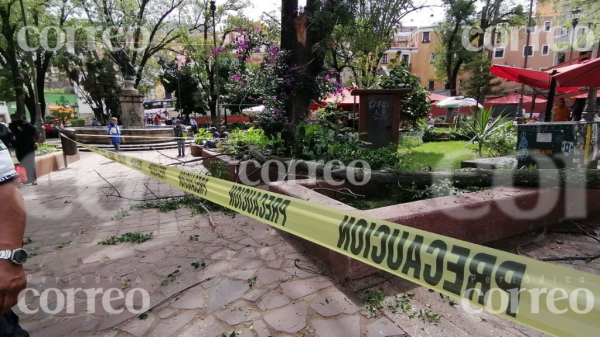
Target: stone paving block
{"x": 347, "y": 326}
{"x": 273, "y": 300}
{"x": 261, "y": 329}
{"x": 166, "y": 313}
{"x": 275, "y": 264}
{"x": 224, "y": 254}
{"x": 138, "y": 327}
{"x": 65, "y": 328}
{"x": 169, "y": 327}
{"x": 255, "y": 294}
{"x": 190, "y": 299}
{"x": 246, "y": 263}
{"x": 237, "y": 313}
{"x": 290, "y": 319}
{"x": 332, "y": 303}
{"x": 207, "y": 327}
{"x": 268, "y": 276}
{"x": 241, "y": 274}
{"x": 267, "y": 253}
{"x": 212, "y": 282}
{"x": 246, "y": 253}
{"x": 248, "y": 242}
{"x": 224, "y": 293}
{"x": 301, "y": 288}
{"x": 214, "y": 269}
{"x": 384, "y": 327}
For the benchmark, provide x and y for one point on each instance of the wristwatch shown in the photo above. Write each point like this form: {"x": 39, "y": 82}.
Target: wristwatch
{"x": 17, "y": 256}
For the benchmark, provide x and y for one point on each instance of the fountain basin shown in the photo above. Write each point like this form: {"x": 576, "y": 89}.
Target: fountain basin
{"x": 152, "y": 134}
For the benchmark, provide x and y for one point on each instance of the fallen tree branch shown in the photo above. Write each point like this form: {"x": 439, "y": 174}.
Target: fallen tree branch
{"x": 111, "y": 185}
{"x": 340, "y": 191}
{"x": 570, "y": 258}
{"x": 460, "y": 179}
{"x": 584, "y": 231}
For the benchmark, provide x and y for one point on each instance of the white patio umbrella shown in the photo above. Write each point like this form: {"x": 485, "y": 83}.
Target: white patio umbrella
{"x": 254, "y": 110}
{"x": 457, "y": 102}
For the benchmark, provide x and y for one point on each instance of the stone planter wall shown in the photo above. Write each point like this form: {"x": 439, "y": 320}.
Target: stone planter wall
{"x": 52, "y": 162}
{"x": 479, "y": 218}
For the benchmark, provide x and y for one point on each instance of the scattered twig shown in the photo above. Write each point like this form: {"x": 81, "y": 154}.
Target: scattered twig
{"x": 340, "y": 191}
{"x": 180, "y": 161}
{"x": 584, "y": 231}
{"x": 174, "y": 295}
{"x": 57, "y": 198}
{"x": 149, "y": 190}
{"x": 212, "y": 223}
{"x": 570, "y": 258}
{"x": 523, "y": 245}
{"x": 111, "y": 185}
{"x": 374, "y": 284}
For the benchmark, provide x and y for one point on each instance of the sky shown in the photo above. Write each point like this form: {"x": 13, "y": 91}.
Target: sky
{"x": 420, "y": 18}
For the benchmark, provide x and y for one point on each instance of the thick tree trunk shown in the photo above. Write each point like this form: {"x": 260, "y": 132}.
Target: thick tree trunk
{"x": 212, "y": 104}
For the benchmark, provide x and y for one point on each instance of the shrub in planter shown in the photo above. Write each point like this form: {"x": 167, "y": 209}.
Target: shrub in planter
{"x": 503, "y": 142}
{"x": 78, "y": 122}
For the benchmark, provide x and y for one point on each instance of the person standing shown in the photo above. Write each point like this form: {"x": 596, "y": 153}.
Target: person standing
{"x": 114, "y": 132}
{"x": 194, "y": 125}
{"x": 561, "y": 113}
{"x": 26, "y": 138}
{"x": 180, "y": 132}
{"x": 94, "y": 122}
{"x": 12, "y": 227}
{"x": 156, "y": 120}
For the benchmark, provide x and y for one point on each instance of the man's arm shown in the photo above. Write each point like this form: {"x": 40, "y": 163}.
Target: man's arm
{"x": 12, "y": 229}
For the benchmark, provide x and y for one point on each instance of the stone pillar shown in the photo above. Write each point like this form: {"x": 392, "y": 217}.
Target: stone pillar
{"x": 132, "y": 110}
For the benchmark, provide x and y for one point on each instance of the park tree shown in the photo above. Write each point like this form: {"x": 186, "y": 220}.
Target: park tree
{"x": 182, "y": 82}
{"x": 414, "y": 105}
{"x": 208, "y": 57}
{"x": 452, "y": 53}
{"x": 480, "y": 82}
{"x": 360, "y": 43}
{"x": 14, "y": 65}
{"x": 306, "y": 34}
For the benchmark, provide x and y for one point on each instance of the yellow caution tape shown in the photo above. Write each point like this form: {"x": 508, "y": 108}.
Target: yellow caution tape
{"x": 553, "y": 299}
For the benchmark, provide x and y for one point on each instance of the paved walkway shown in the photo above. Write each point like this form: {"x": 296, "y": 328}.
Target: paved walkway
{"x": 255, "y": 282}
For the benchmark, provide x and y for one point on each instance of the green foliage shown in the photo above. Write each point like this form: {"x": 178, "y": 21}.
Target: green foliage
{"x": 330, "y": 114}
{"x": 44, "y": 148}
{"x": 127, "y": 237}
{"x": 172, "y": 277}
{"x": 192, "y": 202}
{"x": 414, "y": 105}
{"x": 202, "y": 135}
{"x": 184, "y": 84}
{"x": 373, "y": 301}
{"x": 484, "y": 126}
{"x": 401, "y": 303}
{"x": 503, "y": 142}
{"x": 199, "y": 265}
{"x": 331, "y": 142}
{"x": 78, "y": 122}
{"x": 480, "y": 82}
{"x": 120, "y": 214}
{"x": 218, "y": 169}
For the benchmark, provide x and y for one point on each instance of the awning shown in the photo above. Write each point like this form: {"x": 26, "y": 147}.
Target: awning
{"x": 585, "y": 95}
{"x": 514, "y": 99}
{"x": 585, "y": 74}
{"x": 533, "y": 78}
{"x": 436, "y": 97}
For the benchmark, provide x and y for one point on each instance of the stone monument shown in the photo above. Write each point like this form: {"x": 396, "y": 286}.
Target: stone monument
{"x": 132, "y": 109}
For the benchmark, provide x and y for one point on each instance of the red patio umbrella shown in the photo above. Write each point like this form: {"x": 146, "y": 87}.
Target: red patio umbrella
{"x": 533, "y": 78}
{"x": 514, "y": 99}
{"x": 585, "y": 74}
{"x": 585, "y": 95}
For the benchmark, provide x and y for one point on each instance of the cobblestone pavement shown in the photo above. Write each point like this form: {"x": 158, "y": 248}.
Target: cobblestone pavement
{"x": 256, "y": 281}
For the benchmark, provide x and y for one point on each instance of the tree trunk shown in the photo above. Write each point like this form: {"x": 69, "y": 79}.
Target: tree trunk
{"x": 212, "y": 104}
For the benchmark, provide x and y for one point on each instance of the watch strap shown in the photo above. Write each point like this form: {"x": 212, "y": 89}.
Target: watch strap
{"x": 6, "y": 254}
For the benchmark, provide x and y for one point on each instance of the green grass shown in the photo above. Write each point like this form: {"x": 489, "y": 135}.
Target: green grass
{"x": 443, "y": 129}
{"x": 439, "y": 156}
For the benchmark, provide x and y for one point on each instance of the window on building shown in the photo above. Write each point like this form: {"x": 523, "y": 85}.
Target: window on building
{"x": 532, "y": 29}
{"x": 561, "y": 31}
{"x": 498, "y": 37}
{"x": 426, "y": 37}
{"x": 446, "y": 86}
{"x": 384, "y": 59}
{"x": 545, "y": 50}
{"x": 406, "y": 59}
{"x": 527, "y": 50}
{"x": 547, "y": 26}
{"x": 431, "y": 85}
{"x": 499, "y": 53}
